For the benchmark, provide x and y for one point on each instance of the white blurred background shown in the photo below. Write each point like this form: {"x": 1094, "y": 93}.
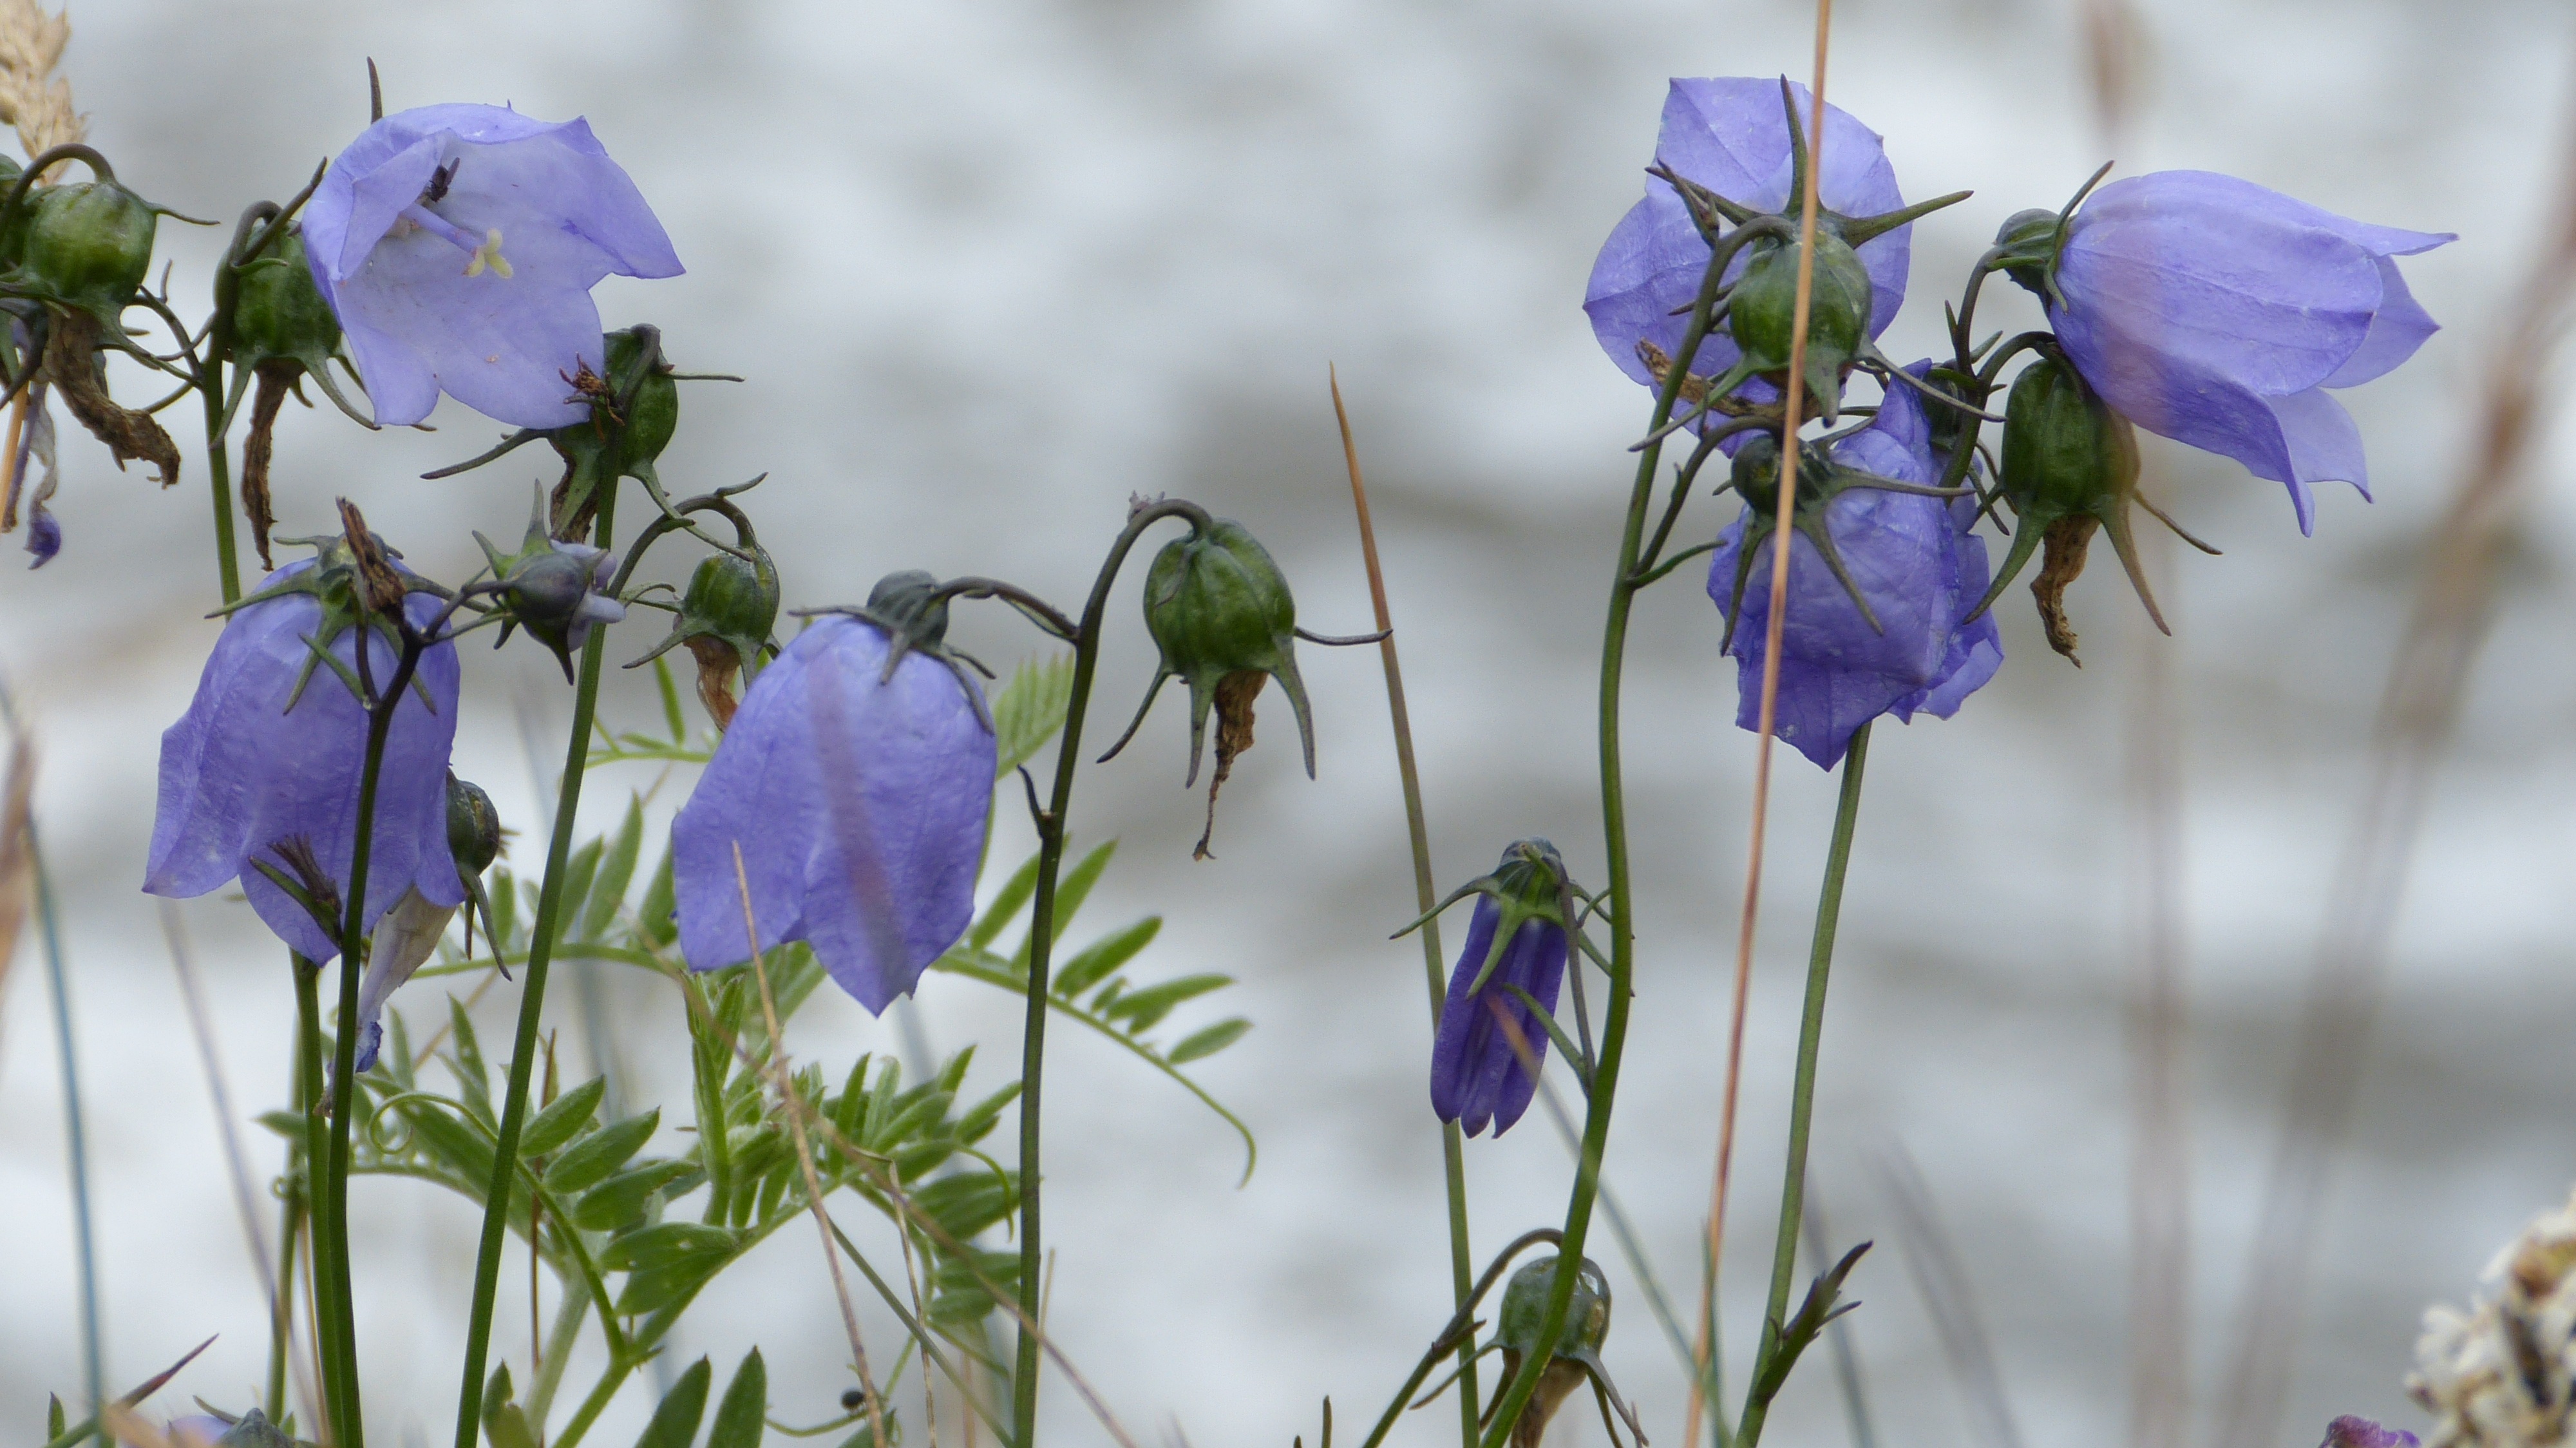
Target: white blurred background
{"x": 991, "y": 267}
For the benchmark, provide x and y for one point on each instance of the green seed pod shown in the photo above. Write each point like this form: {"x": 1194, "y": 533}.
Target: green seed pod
{"x": 278, "y": 314}
{"x": 87, "y": 245}
{"x": 1576, "y": 1356}
{"x": 1220, "y": 611}
{"x": 1763, "y": 309}
{"x": 473, "y": 826}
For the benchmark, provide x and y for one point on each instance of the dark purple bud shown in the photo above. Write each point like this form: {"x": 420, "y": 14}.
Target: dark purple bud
{"x": 857, "y": 796}
{"x": 2352, "y": 1432}
{"x": 1491, "y": 1043}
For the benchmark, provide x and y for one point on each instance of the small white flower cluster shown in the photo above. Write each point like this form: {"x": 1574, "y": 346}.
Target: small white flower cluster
{"x": 2499, "y": 1375}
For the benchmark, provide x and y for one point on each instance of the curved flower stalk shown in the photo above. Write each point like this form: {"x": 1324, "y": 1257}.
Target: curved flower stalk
{"x": 458, "y": 245}
{"x": 1881, "y": 583}
{"x": 2216, "y": 312}
{"x": 264, "y": 767}
{"x": 855, "y": 780}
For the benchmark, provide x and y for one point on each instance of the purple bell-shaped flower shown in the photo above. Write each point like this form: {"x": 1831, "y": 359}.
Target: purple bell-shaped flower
{"x": 855, "y": 780}
{"x": 458, "y": 245}
{"x": 265, "y": 765}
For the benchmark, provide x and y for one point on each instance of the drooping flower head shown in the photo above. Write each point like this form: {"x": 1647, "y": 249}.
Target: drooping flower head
{"x": 1880, "y": 581}
{"x": 458, "y": 245}
{"x": 264, "y": 767}
{"x": 2216, "y": 312}
{"x": 855, "y": 780}
{"x": 1491, "y": 1043}
{"x": 1730, "y": 141}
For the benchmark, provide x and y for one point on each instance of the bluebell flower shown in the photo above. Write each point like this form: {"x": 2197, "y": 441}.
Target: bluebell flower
{"x": 1875, "y": 617}
{"x": 2217, "y": 313}
{"x": 1516, "y": 939}
{"x": 270, "y": 753}
{"x": 458, "y": 245}
{"x": 855, "y": 779}
{"x": 1731, "y": 136}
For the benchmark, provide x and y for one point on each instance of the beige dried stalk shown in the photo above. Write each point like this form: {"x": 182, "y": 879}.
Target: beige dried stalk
{"x": 32, "y": 98}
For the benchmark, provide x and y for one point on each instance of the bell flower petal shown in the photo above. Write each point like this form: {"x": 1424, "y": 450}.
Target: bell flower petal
{"x": 1478, "y": 1076}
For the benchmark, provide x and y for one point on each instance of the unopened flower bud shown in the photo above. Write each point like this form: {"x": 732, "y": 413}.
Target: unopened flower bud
{"x": 473, "y": 826}
{"x": 554, "y": 590}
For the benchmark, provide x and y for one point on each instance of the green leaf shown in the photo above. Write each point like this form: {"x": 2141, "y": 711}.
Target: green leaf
{"x": 503, "y": 1422}
{"x": 653, "y": 918}
{"x": 1006, "y": 906}
{"x": 794, "y": 971}
{"x": 968, "y": 1202}
{"x": 450, "y": 1143}
{"x": 285, "y": 1123}
{"x": 664, "y": 1244}
{"x": 1141, "y": 1009}
{"x": 1069, "y": 895}
{"x": 592, "y": 1158}
{"x": 1200, "y": 1045}
{"x": 979, "y": 1119}
{"x": 1030, "y": 710}
{"x": 619, "y": 1201}
{"x": 740, "y": 1417}
{"x": 55, "y": 1427}
{"x": 675, "y": 1422}
{"x": 467, "y": 1057}
{"x": 616, "y": 871}
{"x": 1104, "y": 955}
{"x": 672, "y": 718}
{"x": 563, "y": 1120}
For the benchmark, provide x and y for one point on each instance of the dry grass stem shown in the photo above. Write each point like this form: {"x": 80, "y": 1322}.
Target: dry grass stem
{"x": 1793, "y": 396}
{"x": 17, "y": 851}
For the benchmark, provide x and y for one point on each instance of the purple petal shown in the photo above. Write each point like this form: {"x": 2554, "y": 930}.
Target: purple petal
{"x": 2355, "y": 1432}
{"x": 859, "y": 805}
{"x": 1477, "y": 1075}
{"x": 2396, "y": 330}
{"x": 501, "y": 345}
{"x": 2175, "y": 266}
{"x": 242, "y": 774}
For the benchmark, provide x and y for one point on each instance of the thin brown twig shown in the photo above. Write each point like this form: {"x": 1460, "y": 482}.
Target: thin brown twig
{"x": 786, "y": 1086}
{"x": 1794, "y": 394}
{"x": 2417, "y": 709}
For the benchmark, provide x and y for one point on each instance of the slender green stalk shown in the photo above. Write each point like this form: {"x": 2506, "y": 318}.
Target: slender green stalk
{"x": 1625, "y": 583}
{"x": 281, "y": 1342}
{"x": 610, "y": 1380}
{"x": 219, "y": 477}
{"x": 308, "y": 1099}
{"x": 1051, "y": 838}
{"x": 1453, "y": 1158}
{"x": 1802, "y": 1095}
{"x": 523, "y": 1054}
{"x": 75, "y": 1130}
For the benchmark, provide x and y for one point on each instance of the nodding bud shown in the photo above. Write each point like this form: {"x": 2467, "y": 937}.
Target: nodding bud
{"x": 473, "y": 826}
{"x": 87, "y": 245}
{"x": 553, "y": 590}
{"x": 1573, "y": 1359}
{"x": 1763, "y": 311}
{"x": 1220, "y": 611}
{"x": 725, "y": 619}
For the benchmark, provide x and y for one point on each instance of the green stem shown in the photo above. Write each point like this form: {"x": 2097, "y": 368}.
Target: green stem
{"x": 592, "y": 1406}
{"x": 532, "y": 997}
{"x": 561, "y": 1336}
{"x": 1802, "y": 1096}
{"x": 1051, "y": 838}
{"x": 1614, "y": 839}
{"x": 219, "y": 477}
{"x": 281, "y": 1342}
{"x": 308, "y": 1090}
{"x": 75, "y": 1132}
